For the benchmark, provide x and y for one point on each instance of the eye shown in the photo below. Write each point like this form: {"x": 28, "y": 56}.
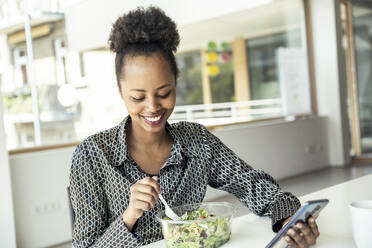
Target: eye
{"x": 137, "y": 99}
{"x": 165, "y": 96}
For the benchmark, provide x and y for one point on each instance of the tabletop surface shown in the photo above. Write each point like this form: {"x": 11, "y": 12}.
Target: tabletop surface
{"x": 333, "y": 222}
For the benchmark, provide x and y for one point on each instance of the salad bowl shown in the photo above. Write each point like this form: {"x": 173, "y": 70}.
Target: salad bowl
{"x": 201, "y": 225}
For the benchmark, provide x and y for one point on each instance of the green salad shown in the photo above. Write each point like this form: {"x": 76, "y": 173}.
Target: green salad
{"x": 211, "y": 233}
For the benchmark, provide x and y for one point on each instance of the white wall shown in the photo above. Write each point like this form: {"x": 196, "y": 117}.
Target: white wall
{"x": 86, "y": 16}
{"x": 330, "y": 77}
{"x": 39, "y": 179}
{"x": 280, "y": 148}
{"x": 7, "y": 235}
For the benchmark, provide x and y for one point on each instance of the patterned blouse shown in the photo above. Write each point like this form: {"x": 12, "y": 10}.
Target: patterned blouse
{"x": 102, "y": 172}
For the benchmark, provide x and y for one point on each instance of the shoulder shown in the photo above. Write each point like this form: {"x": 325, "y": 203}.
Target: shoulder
{"x": 96, "y": 141}
{"x": 194, "y": 137}
{"x": 187, "y": 130}
{"x": 191, "y": 133}
{"x": 95, "y": 145}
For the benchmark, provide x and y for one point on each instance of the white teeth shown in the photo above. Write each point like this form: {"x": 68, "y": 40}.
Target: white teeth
{"x": 152, "y": 119}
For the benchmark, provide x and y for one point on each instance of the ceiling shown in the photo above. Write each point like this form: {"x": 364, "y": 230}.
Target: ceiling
{"x": 277, "y": 16}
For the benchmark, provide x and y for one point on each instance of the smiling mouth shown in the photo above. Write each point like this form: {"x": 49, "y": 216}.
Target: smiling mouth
{"x": 154, "y": 119}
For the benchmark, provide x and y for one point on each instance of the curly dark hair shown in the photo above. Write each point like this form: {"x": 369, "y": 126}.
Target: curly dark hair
{"x": 144, "y": 32}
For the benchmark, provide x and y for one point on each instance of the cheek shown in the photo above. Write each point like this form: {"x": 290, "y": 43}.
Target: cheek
{"x": 171, "y": 101}
{"x": 172, "y": 97}
{"x": 132, "y": 107}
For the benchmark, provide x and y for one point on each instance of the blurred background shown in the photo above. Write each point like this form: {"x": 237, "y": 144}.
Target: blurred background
{"x": 287, "y": 84}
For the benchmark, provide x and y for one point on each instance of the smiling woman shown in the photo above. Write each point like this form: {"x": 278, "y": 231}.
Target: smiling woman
{"x": 117, "y": 175}
{"x": 148, "y": 88}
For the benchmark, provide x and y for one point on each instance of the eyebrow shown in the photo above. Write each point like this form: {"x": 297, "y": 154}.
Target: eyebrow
{"x": 159, "y": 88}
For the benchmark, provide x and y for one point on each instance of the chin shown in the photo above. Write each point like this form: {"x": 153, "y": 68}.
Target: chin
{"x": 154, "y": 129}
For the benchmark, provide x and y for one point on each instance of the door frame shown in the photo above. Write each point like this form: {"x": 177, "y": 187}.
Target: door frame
{"x": 352, "y": 88}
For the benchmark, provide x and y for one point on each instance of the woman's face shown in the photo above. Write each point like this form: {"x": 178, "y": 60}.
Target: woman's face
{"x": 149, "y": 91}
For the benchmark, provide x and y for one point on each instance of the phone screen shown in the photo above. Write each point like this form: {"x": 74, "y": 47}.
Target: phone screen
{"x": 310, "y": 208}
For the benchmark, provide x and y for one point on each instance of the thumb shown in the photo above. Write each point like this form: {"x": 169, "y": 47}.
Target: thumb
{"x": 155, "y": 178}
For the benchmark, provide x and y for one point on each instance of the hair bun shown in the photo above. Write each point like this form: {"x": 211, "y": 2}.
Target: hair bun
{"x": 144, "y": 26}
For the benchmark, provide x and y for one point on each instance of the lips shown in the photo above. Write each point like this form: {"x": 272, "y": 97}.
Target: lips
{"x": 153, "y": 120}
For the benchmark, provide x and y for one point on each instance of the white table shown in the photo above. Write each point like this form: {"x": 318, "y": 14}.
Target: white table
{"x": 333, "y": 222}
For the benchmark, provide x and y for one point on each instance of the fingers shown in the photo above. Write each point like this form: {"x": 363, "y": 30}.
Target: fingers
{"x": 151, "y": 181}
{"x": 290, "y": 241}
{"x": 143, "y": 196}
{"x": 298, "y": 239}
{"x": 306, "y": 233}
{"x": 302, "y": 235}
{"x": 313, "y": 226}
{"x": 143, "y": 205}
{"x": 150, "y": 199}
{"x": 145, "y": 191}
{"x": 147, "y": 185}
{"x": 137, "y": 209}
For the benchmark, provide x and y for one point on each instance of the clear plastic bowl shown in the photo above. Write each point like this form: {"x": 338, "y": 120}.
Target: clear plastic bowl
{"x": 210, "y": 232}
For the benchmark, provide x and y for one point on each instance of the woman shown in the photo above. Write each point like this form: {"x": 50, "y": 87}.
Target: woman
{"x": 117, "y": 175}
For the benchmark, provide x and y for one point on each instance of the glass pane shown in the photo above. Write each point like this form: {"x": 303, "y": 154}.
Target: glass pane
{"x": 362, "y": 24}
{"x": 68, "y": 112}
{"x": 271, "y": 51}
{"x": 189, "y": 83}
{"x": 222, "y": 84}
{"x": 18, "y": 119}
{"x": 262, "y": 62}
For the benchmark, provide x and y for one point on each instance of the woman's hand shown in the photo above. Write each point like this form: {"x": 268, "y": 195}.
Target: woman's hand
{"x": 305, "y": 236}
{"x": 143, "y": 196}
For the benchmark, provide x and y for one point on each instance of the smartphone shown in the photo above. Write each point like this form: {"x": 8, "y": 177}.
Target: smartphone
{"x": 310, "y": 208}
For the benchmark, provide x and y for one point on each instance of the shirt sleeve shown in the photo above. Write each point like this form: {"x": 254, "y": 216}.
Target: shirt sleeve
{"x": 254, "y": 188}
{"x": 91, "y": 227}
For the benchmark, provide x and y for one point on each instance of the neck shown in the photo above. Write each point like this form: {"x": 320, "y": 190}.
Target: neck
{"x": 138, "y": 138}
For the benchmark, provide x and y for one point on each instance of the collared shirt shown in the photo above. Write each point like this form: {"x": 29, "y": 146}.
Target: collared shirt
{"x": 102, "y": 173}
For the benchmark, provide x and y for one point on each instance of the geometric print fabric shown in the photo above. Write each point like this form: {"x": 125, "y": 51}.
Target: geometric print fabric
{"x": 102, "y": 172}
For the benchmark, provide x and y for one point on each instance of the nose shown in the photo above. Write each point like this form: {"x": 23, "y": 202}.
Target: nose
{"x": 153, "y": 104}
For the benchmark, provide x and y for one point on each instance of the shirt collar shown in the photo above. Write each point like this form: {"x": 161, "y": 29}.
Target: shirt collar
{"x": 122, "y": 140}
{"x": 177, "y": 151}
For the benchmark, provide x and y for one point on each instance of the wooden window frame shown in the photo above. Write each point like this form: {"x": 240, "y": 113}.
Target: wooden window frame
{"x": 352, "y": 86}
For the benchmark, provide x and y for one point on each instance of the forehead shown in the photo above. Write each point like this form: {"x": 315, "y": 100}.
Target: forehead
{"x": 146, "y": 72}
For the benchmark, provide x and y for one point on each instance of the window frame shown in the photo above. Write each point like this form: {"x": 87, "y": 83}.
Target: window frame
{"x": 20, "y": 62}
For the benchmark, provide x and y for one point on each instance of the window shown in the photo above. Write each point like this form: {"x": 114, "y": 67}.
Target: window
{"x": 277, "y": 57}
{"x": 78, "y": 96}
{"x": 20, "y": 64}
{"x": 263, "y": 62}
{"x": 357, "y": 42}
{"x": 189, "y": 84}
{"x": 222, "y": 84}
{"x": 60, "y": 52}
{"x": 363, "y": 54}
{"x": 268, "y": 39}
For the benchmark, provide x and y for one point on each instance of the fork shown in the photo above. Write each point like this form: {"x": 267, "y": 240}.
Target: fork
{"x": 168, "y": 211}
